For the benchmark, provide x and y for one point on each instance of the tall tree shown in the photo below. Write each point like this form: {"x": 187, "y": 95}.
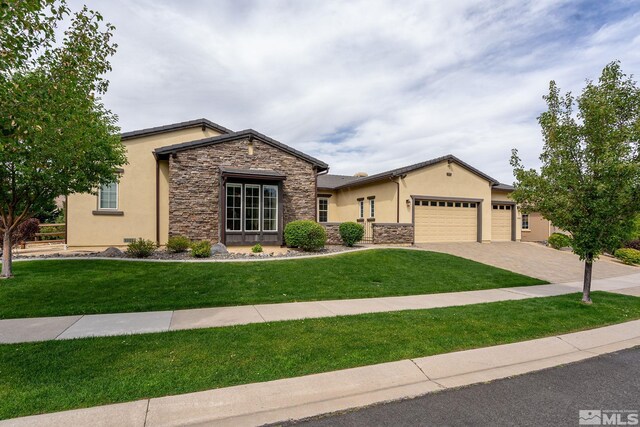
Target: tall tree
{"x": 589, "y": 181}
{"x": 56, "y": 136}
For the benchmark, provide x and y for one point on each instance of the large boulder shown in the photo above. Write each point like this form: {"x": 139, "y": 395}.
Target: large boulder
{"x": 112, "y": 253}
{"x": 219, "y": 249}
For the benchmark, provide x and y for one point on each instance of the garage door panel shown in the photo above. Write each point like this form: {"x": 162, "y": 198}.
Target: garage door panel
{"x": 501, "y": 222}
{"x": 445, "y": 223}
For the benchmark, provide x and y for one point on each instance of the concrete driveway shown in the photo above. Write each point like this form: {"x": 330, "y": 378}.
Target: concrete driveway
{"x": 532, "y": 259}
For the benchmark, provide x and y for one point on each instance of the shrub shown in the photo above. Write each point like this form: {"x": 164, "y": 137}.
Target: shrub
{"x": 141, "y": 248}
{"x": 257, "y": 248}
{"x": 201, "y": 249}
{"x": 559, "y": 241}
{"x": 633, "y": 244}
{"x": 178, "y": 244}
{"x": 24, "y": 232}
{"x": 351, "y": 233}
{"x": 628, "y": 256}
{"x": 306, "y": 235}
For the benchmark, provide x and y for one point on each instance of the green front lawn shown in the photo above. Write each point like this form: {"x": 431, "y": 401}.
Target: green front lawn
{"x": 58, "y": 375}
{"x": 62, "y": 287}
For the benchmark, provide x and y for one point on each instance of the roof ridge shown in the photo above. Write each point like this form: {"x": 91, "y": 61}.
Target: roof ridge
{"x": 236, "y": 135}
{"x": 405, "y": 169}
{"x": 174, "y": 126}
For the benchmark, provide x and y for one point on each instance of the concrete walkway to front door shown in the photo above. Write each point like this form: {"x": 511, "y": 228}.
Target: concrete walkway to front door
{"x": 532, "y": 259}
{"x": 68, "y": 327}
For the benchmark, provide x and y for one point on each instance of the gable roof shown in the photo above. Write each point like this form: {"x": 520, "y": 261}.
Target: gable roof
{"x": 329, "y": 182}
{"x": 202, "y": 123}
{"x": 164, "y": 152}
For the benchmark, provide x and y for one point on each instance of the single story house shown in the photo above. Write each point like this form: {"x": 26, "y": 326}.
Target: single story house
{"x": 204, "y": 181}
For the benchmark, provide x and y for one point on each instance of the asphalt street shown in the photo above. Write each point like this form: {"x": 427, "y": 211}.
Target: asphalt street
{"x": 551, "y": 397}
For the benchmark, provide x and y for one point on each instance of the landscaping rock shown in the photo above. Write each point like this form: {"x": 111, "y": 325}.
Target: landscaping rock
{"x": 219, "y": 249}
{"x": 112, "y": 252}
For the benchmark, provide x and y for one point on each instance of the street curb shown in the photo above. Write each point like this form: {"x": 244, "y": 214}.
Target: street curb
{"x": 307, "y": 396}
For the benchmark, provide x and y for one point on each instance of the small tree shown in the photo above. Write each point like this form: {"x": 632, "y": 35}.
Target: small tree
{"x": 56, "y": 137}
{"x": 589, "y": 181}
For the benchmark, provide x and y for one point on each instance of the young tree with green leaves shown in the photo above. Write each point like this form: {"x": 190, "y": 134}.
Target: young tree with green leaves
{"x": 589, "y": 181}
{"x": 56, "y": 136}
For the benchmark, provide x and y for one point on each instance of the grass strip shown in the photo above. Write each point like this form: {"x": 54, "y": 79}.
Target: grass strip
{"x": 58, "y": 375}
{"x": 66, "y": 287}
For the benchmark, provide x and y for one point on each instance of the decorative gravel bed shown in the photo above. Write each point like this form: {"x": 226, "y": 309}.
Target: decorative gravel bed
{"x": 162, "y": 254}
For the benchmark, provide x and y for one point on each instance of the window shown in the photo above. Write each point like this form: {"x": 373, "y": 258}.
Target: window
{"x": 361, "y": 208}
{"x": 449, "y": 204}
{"x": 323, "y": 210}
{"x": 372, "y": 208}
{"x": 441, "y": 204}
{"x": 270, "y": 208}
{"x": 525, "y": 221}
{"x": 434, "y": 203}
{"x": 108, "y": 196}
{"x": 458, "y": 204}
{"x": 465, "y": 205}
{"x": 234, "y": 207}
{"x": 472, "y": 205}
{"x": 251, "y": 207}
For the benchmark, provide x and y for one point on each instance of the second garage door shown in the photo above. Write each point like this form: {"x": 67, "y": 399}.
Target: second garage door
{"x": 445, "y": 221}
{"x": 500, "y": 222}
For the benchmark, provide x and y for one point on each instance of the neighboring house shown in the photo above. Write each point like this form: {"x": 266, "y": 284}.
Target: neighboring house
{"x": 200, "y": 180}
{"x": 206, "y": 182}
{"x": 440, "y": 200}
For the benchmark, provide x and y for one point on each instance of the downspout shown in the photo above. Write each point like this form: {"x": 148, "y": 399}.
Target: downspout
{"x": 157, "y": 200}
{"x": 315, "y": 199}
{"x": 400, "y": 177}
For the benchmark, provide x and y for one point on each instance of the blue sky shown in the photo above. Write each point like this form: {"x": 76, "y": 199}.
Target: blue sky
{"x": 365, "y": 85}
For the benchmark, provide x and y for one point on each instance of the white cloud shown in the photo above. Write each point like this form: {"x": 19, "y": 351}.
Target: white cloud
{"x": 365, "y": 85}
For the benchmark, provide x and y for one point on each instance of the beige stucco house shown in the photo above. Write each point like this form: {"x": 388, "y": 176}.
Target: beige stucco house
{"x": 205, "y": 181}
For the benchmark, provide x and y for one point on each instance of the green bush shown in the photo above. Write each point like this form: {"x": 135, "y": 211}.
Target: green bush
{"x": 257, "y": 248}
{"x": 201, "y": 249}
{"x": 141, "y": 248}
{"x": 178, "y": 244}
{"x": 306, "y": 235}
{"x": 351, "y": 233}
{"x": 628, "y": 256}
{"x": 559, "y": 241}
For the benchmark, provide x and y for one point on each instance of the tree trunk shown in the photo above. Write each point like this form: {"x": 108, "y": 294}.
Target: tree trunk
{"x": 586, "y": 287}
{"x": 6, "y": 256}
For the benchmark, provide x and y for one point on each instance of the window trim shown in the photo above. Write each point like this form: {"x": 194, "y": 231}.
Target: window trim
{"x": 326, "y": 210}
{"x": 100, "y": 208}
{"x": 226, "y": 206}
{"x": 277, "y": 198}
{"x": 522, "y": 222}
{"x": 372, "y": 208}
{"x": 361, "y": 209}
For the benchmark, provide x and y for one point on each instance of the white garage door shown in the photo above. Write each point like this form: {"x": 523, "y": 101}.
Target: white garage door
{"x": 445, "y": 221}
{"x": 501, "y": 222}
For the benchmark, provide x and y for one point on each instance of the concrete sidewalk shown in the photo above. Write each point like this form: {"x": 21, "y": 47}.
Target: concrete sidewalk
{"x": 68, "y": 327}
{"x": 295, "y": 398}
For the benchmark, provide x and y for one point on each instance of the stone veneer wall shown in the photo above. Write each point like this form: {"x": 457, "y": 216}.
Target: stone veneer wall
{"x": 386, "y": 233}
{"x": 333, "y": 232}
{"x": 194, "y": 185}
